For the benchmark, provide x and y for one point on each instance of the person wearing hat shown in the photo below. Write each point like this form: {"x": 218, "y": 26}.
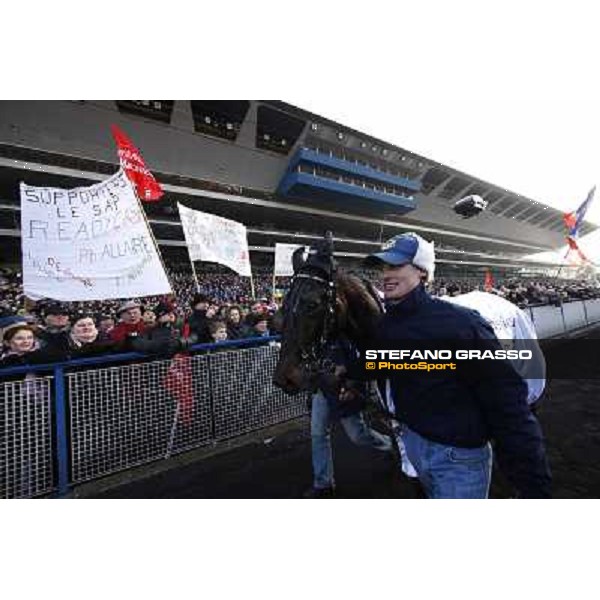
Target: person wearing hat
{"x": 198, "y": 321}
{"x": 130, "y": 323}
{"x": 448, "y": 422}
{"x": 56, "y": 325}
{"x": 164, "y": 337}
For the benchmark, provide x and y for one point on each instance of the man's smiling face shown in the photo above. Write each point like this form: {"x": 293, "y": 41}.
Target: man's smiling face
{"x": 400, "y": 281}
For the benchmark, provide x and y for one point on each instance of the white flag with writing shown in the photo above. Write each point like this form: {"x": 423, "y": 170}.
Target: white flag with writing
{"x": 215, "y": 239}
{"x": 283, "y": 259}
{"x": 88, "y": 243}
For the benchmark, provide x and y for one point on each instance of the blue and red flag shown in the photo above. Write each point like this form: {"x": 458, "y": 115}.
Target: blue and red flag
{"x": 573, "y": 220}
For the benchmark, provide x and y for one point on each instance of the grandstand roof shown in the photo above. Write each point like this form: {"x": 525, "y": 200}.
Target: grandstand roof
{"x": 228, "y": 157}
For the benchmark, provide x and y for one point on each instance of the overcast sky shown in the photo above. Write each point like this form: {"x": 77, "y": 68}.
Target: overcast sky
{"x": 541, "y": 144}
{"x": 508, "y": 96}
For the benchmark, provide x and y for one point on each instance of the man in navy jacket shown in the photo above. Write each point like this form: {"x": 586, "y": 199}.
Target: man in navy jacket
{"x": 448, "y": 421}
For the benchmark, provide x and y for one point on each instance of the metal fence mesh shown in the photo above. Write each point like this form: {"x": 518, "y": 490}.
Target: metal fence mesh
{"x": 131, "y": 414}
{"x": 26, "y": 453}
{"x": 245, "y": 398}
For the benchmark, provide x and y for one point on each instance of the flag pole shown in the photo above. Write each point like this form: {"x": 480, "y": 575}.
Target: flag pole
{"x": 252, "y": 286}
{"x": 141, "y": 207}
{"x": 562, "y": 264}
{"x": 194, "y": 272}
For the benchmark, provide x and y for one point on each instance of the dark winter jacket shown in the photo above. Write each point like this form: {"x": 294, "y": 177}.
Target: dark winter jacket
{"x": 341, "y": 352}
{"x": 198, "y": 323}
{"x": 455, "y": 411}
{"x": 236, "y": 331}
{"x": 164, "y": 339}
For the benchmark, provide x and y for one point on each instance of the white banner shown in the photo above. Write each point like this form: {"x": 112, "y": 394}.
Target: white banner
{"x": 283, "y": 259}
{"x": 88, "y": 243}
{"x": 215, "y": 239}
{"x": 510, "y": 324}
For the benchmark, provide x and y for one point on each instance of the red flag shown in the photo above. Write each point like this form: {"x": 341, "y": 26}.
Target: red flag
{"x": 488, "y": 284}
{"x": 148, "y": 189}
{"x": 573, "y": 246}
{"x": 570, "y": 220}
{"x": 178, "y": 382}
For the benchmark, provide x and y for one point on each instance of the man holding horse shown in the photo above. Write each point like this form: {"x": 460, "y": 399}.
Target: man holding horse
{"x": 448, "y": 422}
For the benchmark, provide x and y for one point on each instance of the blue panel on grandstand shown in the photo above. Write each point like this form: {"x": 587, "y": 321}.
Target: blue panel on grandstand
{"x": 307, "y": 185}
{"x": 306, "y": 156}
{"x": 312, "y": 174}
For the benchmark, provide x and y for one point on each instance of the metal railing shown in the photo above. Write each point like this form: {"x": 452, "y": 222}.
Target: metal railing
{"x": 552, "y": 321}
{"x": 66, "y": 423}
{"x": 97, "y": 416}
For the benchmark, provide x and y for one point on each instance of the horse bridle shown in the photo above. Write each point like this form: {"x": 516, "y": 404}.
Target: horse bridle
{"x": 313, "y": 358}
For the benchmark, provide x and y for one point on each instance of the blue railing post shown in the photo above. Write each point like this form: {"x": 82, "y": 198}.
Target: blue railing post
{"x": 62, "y": 445}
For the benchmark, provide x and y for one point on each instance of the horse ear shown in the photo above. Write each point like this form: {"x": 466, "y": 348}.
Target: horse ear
{"x": 298, "y": 258}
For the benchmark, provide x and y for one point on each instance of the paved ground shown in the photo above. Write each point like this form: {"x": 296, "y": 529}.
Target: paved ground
{"x": 280, "y": 468}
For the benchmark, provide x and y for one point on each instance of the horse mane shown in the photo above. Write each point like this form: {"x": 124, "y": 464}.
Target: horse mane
{"x": 357, "y": 309}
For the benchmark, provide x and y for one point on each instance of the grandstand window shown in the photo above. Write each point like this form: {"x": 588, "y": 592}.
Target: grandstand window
{"x": 492, "y": 196}
{"x": 539, "y": 216}
{"x": 453, "y": 187}
{"x": 219, "y": 118}
{"x": 498, "y": 207}
{"x": 528, "y": 213}
{"x": 476, "y": 189}
{"x": 277, "y": 126}
{"x": 157, "y": 110}
{"x": 513, "y": 210}
{"x": 433, "y": 178}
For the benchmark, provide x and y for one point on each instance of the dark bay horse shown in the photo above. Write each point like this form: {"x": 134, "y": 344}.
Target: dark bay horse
{"x": 321, "y": 303}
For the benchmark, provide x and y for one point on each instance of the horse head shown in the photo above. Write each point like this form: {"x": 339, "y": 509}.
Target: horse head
{"x": 320, "y": 304}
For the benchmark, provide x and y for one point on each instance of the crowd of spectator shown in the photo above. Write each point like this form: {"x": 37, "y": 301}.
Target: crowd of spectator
{"x": 221, "y": 307}
{"x": 48, "y": 331}
{"x": 523, "y": 292}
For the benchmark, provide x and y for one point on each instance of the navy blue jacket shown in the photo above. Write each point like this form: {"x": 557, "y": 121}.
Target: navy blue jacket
{"x": 341, "y": 352}
{"x": 455, "y": 411}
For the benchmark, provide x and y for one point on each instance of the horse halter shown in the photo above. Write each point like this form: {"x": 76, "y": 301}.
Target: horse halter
{"x": 313, "y": 356}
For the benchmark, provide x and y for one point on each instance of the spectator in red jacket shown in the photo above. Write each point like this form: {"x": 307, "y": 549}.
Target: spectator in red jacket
{"x": 130, "y": 323}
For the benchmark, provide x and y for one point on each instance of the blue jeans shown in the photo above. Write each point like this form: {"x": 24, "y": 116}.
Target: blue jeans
{"x": 320, "y": 431}
{"x": 449, "y": 471}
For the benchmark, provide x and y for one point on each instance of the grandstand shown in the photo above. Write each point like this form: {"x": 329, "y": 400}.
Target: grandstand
{"x": 287, "y": 174}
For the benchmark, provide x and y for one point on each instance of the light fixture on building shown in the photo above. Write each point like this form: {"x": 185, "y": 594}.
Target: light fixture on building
{"x": 207, "y": 120}
{"x": 374, "y": 148}
{"x": 363, "y": 144}
{"x": 314, "y": 126}
{"x": 340, "y": 135}
{"x": 384, "y": 152}
{"x": 403, "y": 157}
{"x": 229, "y": 126}
{"x": 266, "y": 137}
{"x": 283, "y": 142}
